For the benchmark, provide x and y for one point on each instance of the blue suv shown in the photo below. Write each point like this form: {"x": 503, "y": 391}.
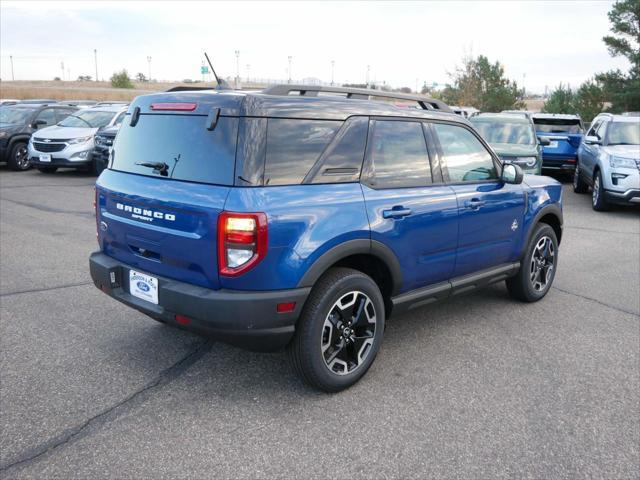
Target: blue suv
{"x": 303, "y": 217}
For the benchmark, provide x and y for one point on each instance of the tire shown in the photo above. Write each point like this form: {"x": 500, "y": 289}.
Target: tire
{"x": 97, "y": 166}
{"x": 579, "y": 185}
{"x": 19, "y": 157}
{"x": 47, "y": 169}
{"x": 328, "y": 352}
{"x": 598, "y": 202}
{"x": 539, "y": 264}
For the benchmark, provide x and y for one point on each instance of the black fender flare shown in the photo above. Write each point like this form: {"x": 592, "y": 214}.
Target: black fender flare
{"x": 552, "y": 209}
{"x": 354, "y": 247}
{"x": 17, "y": 138}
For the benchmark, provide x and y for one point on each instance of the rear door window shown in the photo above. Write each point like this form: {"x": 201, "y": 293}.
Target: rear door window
{"x": 182, "y": 143}
{"x": 48, "y": 115}
{"x": 397, "y": 155}
{"x": 293, "y": 146}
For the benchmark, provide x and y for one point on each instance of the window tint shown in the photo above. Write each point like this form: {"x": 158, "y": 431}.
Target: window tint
{"x": 293, "y": 146}
{"x": 252, "y": 134}
{"x": 342, "y": 160}
{"x": 183, "y": 143}
{"x": 397, "y": 155}
{"x": 464, "y": 157}
{"x": 47, "y": 115}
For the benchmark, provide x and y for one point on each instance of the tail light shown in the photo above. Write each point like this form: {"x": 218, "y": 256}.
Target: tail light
{"x": 242, "y": 242}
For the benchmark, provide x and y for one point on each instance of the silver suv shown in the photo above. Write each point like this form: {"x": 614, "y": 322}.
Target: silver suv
{"x": 609, "y": 161}
{"x": 70, "y": 142}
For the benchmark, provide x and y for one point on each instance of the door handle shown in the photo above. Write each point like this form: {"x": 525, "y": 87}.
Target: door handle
{"x": 474, "y": 204}
{"x": 396, "y": 212}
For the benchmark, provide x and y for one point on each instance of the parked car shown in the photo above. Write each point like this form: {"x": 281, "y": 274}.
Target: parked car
{"x": 102, "y": 149}
{"x": 564, "y": 133}
{"x": 609, "y": 161}
{"x": 512, "y": 137}
{"x": 270, "y": 220}
{"x": 523, "y": 113}
{"x": 17, "y": 124}
{"x": 39, "y": 101}
{"x": 465, "y": 112}
{"x": 69, "y": 143}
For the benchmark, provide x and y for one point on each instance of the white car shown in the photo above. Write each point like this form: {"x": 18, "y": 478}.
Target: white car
{"x": 609, "y": 161}
{"x": 70, "y": 142}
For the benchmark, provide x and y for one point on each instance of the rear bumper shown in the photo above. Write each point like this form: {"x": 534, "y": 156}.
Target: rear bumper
{"x": 559, "y": 163}
{"x": 247, "y": 319}
{"x": 630, "y": 197}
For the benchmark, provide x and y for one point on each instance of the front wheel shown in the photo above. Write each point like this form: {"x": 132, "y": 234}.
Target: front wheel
{"x": 538, "y": 268}
{"x": 598, "y": 201}
{"x": 340, "y": 330}
{"x": 19, "y": 157}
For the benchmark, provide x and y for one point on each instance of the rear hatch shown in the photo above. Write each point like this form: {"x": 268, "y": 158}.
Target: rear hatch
{"x": 170, "y": 172}
{"x": 565, "y": 136}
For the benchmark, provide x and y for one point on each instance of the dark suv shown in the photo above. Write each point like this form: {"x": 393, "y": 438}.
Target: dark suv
{"x": 17, "y": 124}
{"x": 302, "y": 217}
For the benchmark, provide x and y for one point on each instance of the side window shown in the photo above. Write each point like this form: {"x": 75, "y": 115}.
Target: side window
{"x": 397, "y": 155}
{"x": 594, "y": 127}
{"x": 47, "y": 115}
{"x": 293, "y": 146}
{"x": 119, "y": 119}
{"x": 62, "y": 113}
{"x": 464, "y": 157}
{"x": 342, "y": 159}
{"x": 600, "y": 131}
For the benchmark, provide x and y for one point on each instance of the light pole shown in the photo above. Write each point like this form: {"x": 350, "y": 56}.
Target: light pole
{"x": 524, "y": 90}
{"x": 290, "y": 58}
{"x": 62, "y": 68}
{"x": 248, "y": 67}
{"x": 368, "y": 70}
{"x": 237, "y": 68}
{"x": 12, "y": 77}
{"x": 333, "y": 64}
{"x": 149, "y": 62}
{"x": 95, "y": 57}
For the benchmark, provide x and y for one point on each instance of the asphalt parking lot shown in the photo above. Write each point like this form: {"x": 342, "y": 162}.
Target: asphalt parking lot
{"x": 475, "y": 387}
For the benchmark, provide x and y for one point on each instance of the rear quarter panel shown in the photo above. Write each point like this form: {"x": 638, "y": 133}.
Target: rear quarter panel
{"x": 305, "y": 221}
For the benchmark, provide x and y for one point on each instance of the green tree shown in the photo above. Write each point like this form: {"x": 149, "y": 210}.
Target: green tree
{"x": 482, "y": 84}
{"x": 561, "y": 100}
{"x": 141, "y": 77}
{"x": 121, "y": 80}
{"x": 589, "y": 100}
{"x": 619, "y": 88}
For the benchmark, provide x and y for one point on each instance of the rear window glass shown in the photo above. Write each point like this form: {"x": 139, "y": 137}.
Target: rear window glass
{"x": 293, "y": 146}
{"x": 557, "y": 126}
{"x": 88, "y": 119}
{"x": 182, "y": 143}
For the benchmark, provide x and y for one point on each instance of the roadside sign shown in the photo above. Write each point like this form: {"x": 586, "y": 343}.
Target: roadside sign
{"x": 204, "y": 69}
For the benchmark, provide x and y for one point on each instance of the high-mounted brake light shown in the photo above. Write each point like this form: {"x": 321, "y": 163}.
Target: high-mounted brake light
{"x": 184, "y": 107}
{"x": 242, "y": 241}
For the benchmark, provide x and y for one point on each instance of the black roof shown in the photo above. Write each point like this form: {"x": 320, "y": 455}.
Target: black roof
{"x": 263, "y": 104}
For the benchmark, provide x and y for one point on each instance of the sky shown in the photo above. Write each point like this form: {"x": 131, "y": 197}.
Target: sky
{"x": 540, "y": 43}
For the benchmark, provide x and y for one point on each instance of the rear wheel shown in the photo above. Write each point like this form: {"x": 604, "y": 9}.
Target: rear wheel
{"x": 19, "y": 157}
{"x": 47, "y": 169}
{"x": 538, "y": 269}
{"x": 340, "y": 330}
{"x": 598, "y": 201}
{"x": 579, "y": 185}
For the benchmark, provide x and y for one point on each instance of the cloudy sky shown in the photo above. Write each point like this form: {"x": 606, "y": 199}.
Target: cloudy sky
{"x": 540, "y": 42}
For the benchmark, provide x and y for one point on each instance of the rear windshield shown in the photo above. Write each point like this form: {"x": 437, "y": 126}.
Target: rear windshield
{"x": 180, "y": 145}
{"x": 504, "y": 131}
{"x": 546, "y": 125}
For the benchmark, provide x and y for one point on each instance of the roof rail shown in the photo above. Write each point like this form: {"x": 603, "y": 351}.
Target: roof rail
{"x": 425, "y": 103}
{"x": 182, "y": 88}
{"x": 110, "y": 103}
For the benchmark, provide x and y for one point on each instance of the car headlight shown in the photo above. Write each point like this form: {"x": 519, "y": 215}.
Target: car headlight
{"x": 76, "y": 141}
{"x": 619, "y": 162}
{"x": 528, "y": 161}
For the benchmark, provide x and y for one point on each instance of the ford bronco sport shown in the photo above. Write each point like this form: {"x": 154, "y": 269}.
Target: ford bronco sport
{"x": 303, "y": 217}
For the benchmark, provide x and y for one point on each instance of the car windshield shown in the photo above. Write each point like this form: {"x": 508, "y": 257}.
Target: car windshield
{"x": 504, "y": 131}
{"x": 624, "y": 133}
{"x": 548, "y": 125}
{"x": 88, "y": 119}
{"x": 15, "y": 115}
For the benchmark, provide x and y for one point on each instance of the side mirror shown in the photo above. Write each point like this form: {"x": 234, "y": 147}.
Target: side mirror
{"x": 37, "y": 124}
{"x": 512, "y": 173}
{"x": 544, "y": 141}
{"x": 592, "y": 140}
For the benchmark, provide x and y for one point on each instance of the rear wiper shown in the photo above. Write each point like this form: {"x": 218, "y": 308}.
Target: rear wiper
{"x": 160, "y": 167}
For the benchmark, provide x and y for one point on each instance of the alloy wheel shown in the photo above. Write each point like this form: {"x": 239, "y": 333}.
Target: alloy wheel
{"x": 596, "y": 189}
{"x": 348, "y": 333}
{"x": 22, "y": 158}
{"x": 542, "y": 264}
